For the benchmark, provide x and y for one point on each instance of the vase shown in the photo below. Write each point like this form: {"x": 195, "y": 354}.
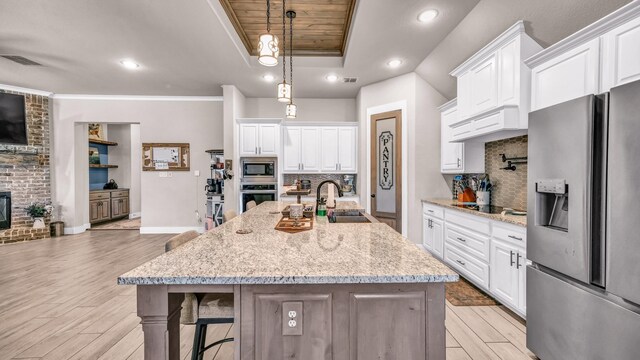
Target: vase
{"x": 38, "y": 223}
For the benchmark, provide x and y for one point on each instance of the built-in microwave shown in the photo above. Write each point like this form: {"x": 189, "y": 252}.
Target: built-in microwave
{"x": 259, "y": 170}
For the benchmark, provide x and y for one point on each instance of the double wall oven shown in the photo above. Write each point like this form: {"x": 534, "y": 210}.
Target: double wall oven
{"x": 258, "y": 180}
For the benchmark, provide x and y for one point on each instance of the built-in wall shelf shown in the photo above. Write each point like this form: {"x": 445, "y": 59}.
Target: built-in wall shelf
{"x": 103, "y": 142}
{"x": 102, "y": 166}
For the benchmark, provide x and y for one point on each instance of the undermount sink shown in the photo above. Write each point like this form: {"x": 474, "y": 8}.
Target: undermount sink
{"x": 349, "y": 217}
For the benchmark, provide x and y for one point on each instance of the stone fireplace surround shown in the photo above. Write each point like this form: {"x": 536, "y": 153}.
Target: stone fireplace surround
{"x": 27, "y": 176}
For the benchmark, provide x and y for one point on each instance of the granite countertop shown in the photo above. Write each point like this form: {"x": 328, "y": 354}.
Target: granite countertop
{"x": 519, "y": 220}
{"x": 343, "y": 253}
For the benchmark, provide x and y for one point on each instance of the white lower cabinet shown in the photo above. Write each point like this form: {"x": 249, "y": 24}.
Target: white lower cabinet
{"x": 433, "y": 235}
{"x": 490, "y": 254}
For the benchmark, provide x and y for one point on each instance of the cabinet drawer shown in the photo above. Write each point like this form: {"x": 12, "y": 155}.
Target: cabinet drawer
{"x": 473, "y": 269}
{"x": 511, "y": 234}
{"x": 433, "y": 210}
{"x": 98, "y": 195}
{"x": 471, "y": 222}
{"x": 119, "y": 193}
{"x": 469, "y": 242}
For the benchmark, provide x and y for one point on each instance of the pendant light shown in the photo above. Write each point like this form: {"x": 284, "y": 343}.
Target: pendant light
{"x": 268, "y": 50}
{"x": 284, "y": 89}
{"x": 292, "y": 109}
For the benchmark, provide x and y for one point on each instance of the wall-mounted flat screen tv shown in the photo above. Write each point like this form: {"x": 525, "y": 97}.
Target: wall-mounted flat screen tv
{"x": 13, "y": 122}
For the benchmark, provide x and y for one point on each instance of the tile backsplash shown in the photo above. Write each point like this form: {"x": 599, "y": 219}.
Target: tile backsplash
{"x": 510, "y": 187}
{"x": 315, "y": 179}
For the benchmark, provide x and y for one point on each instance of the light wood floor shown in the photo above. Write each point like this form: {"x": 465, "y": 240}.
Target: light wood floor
{"x": 59, "y": 300}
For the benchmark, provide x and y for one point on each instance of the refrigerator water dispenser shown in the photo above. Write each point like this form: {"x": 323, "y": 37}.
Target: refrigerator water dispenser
{"x": 552, "y": 204}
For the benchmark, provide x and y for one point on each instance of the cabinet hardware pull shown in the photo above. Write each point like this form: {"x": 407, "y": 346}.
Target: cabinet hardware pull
{"x": 431, "y": 211}
{"x": 515, "y": 237}
{"x": 336, "y": 166}
{"x": 256, "y": 150}
{"x": 511, "y": 258}
{"x": 518, "y": 261}
{"x": 461, "y": 239}
{"x": 461, "y": 262}
{"x": 459, "y": 160}
{"x": 339, "y": 166}
{"x": 260, "y": 150}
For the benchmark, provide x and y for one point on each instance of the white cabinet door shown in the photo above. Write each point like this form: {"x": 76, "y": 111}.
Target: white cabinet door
{"x": 522, "y": 287}
{"x": 329, "y": 149}
{"x": 509, "y": 73}
{"x": 347, "y": 149}
{"x": 621, "y": 58}
{"x": 249, "y": 139}
{"x": 427, "y": 233}
{"x": 292, "y": 151}
{"x": 268, "y": 139}
{"x": 567, "y": 76}
{"x": 437, "y": 234}
{"x": 451, "y": 153}
{"x": 505, "y": 277}
{"x": 464, "y": 95}
{"x": 310, "y": 148}
{"x": 484, "y": 85}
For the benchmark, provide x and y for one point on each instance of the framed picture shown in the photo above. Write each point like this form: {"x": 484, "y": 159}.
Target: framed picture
{"x": 94, "y": 156}
{"x": 165, "y": 157}
{"x": 95, "y": 132}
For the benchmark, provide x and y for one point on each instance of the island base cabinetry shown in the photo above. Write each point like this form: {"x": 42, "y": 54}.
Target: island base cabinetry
{"x": 343, "y": 322}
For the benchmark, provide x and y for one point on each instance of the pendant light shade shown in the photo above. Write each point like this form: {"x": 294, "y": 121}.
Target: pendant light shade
{"x": 284, "y": 92}
{"x": 268, "y": 49}
{"x": 292, "y": 111}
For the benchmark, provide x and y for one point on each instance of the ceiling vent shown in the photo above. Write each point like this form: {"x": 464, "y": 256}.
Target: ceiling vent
{"x": 349, "y": 79}
{"x": 21, "y": 60}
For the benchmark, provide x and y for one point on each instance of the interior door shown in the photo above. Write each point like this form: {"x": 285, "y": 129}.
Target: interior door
{"x": 623, "y": 208}
{"x": 386, "y": 168}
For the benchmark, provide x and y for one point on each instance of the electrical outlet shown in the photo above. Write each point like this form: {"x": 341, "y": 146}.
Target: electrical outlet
{"x": 292, "y": 318}
{"x": 163, "y": 174}
{"x": 196, "y": 173}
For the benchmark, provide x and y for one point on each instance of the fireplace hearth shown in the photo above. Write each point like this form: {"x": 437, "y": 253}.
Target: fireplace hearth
{"x": 5, "y": 210}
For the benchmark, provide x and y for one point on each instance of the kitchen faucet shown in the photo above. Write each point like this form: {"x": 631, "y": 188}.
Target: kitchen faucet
{"x": 340, "y": 194}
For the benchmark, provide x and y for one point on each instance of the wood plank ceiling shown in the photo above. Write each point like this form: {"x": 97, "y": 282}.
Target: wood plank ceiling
{"x": 321, "y": 27}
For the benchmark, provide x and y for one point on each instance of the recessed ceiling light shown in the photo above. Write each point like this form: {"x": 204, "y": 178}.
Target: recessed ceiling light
{"x": 129, "y": 64}
{"x": 332, "y": 78}
{"x": 394, "y": 63}
{"x": 268, "y": 77}
{"x": 428, "y": 16}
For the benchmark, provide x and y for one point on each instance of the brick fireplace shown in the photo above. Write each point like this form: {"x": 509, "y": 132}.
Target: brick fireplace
{"x": 25, "y": 175}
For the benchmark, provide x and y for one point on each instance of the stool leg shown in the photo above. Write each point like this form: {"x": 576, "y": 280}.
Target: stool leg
{"x": 203, "y": 341}
{"x": 196, "y": 342}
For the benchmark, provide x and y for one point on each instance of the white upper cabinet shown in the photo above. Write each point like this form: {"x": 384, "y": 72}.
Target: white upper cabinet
{"x": 493, "y": 89}
{"x": 325, "y": 149}
{"x": 457, "y": 157}
{"x": 603, "y": 55}
{"x": 621, "y": 57}
{"x": 347, "y": 149}
{"x": 257, "y": 139}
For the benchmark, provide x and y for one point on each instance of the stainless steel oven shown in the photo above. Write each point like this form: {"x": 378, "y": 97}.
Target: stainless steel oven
{"x": 262, "y": 170}
{"x": 258, "y": 192}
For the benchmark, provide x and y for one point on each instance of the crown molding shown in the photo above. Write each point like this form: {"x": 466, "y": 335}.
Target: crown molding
{"x": 509, "y": 34}
{"x": 448, "y": 105}
{"x": 590, "y": 32}
{"x": 137, "y": 97}
{"x": 25, "y": 90}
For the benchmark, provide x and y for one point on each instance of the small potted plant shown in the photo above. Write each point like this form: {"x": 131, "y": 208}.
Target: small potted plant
{"x": 38, "y": 212}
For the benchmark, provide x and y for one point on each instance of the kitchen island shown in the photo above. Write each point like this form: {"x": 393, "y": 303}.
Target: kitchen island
{"x": 360, "y": 291}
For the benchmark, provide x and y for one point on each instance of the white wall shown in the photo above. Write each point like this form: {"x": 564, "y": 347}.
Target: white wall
{"x": 168, "y": 204}
{"x": 422, "y": 137}
{"x": 127, "y": 155}
{"x": 234, "y": 108}
{"x": 309, "y": 110}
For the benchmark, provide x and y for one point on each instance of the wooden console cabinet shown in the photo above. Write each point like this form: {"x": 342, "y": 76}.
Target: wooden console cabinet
{"x": 105, "y": 205}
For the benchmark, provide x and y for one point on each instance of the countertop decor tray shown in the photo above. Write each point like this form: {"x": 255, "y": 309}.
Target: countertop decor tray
{"x": 287, "y": 224}
{"x": 308, "y": 211}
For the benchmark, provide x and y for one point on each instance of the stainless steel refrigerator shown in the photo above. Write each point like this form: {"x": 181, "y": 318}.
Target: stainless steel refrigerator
{"x": 583, "y": 228}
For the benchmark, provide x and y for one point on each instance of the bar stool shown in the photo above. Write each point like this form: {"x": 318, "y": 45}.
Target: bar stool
{"x": 251, "y": 204}
{"x": 228, "y": 215}
{"x": 202, "y": 309}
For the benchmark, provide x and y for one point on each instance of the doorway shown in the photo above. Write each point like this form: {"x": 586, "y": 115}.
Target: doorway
{"x": 386, "y": 168}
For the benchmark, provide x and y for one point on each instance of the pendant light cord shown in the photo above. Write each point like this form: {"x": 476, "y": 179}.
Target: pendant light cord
{"x": 268, "y": 16}
{"x": 291, "y": 56}
{"x": 284, "y": 42}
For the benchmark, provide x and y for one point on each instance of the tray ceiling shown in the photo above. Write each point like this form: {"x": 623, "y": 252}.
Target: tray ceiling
{"x": 321, "y": 27}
